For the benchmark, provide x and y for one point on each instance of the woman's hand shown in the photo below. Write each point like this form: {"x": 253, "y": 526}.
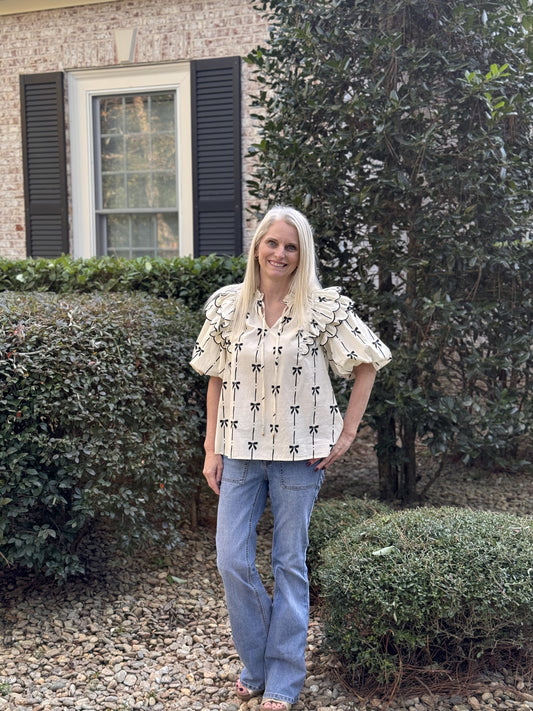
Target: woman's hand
{"x": 341, "y": 446}
{"x": 364, "y": 376}
{"x": 213, "y": 466}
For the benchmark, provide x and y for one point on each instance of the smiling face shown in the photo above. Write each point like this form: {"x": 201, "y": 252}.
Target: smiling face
{"x": 278, "y": 253}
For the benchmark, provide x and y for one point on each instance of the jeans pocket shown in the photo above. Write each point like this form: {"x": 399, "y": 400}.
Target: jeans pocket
{"x": 297, "y": 476}
{"x": 235, "y": 470}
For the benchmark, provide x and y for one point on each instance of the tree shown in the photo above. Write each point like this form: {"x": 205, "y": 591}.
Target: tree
{"x": 402, "y": 128}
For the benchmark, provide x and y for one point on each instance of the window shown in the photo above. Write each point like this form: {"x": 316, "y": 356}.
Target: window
{"x": 155, "y": 160}
{"x": 131, "y": 161}
{"x": 137, "y": 211}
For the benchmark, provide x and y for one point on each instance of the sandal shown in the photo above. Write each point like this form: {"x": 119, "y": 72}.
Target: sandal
{"x": 243, "y": 693}
{"x": 281, "y": 705}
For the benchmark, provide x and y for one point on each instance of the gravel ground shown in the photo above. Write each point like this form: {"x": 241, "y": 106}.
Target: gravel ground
{"x": 152, "y": 632}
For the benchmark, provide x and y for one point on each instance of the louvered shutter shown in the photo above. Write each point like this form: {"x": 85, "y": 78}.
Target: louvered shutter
{"x": 216, "y": 144}
{"x": 45, "y": 183}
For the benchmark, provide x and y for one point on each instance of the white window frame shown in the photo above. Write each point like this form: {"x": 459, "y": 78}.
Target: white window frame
{"x": 85, "y": 84}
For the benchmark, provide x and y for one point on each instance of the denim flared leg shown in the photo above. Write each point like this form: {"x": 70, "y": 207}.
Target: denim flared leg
{"x": 270, "y": 636}
{"x": 243, "y": 496}
{"x": 293, "y": 490}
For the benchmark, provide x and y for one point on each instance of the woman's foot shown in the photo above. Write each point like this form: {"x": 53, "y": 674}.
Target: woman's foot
{"x": 275, "y": 705}
{"x": 243, "y": 693}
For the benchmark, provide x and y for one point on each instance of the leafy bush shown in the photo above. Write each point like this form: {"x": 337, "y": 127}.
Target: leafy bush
{"x": 100, "y": 420}
{"x": 329, "y": 519}
{"x": 190, "y": 280}
{"x": 428, "y": 588}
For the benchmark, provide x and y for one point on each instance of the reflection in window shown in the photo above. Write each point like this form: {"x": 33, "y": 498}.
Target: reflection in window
{"x": 137, "y": 204}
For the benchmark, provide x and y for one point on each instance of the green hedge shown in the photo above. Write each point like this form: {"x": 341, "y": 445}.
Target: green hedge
{"x": 101, "y": 419}
{"x": 430, "y": 589}
{"x": 190, "y": 280}
{"x": 329, "y": 519}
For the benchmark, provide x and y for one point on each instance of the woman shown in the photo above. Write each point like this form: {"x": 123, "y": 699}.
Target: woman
{"x": 273, "y": 427}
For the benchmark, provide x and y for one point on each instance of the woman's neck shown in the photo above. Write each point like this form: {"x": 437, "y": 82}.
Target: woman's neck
{"x": 273, "y": 293}
{"x": 273, "y": 302}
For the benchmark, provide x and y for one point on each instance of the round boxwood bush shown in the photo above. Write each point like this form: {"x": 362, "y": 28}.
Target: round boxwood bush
{"x": 100, "y": 420}
{"x": 431, "y": 589}
{"x": 332, "y": 517}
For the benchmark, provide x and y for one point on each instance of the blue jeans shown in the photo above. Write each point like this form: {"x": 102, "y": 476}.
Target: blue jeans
{"x": 269, "y": 634}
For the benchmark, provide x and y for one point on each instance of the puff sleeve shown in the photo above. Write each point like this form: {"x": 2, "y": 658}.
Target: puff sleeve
{"x": 345, "y": 338}
{"x": 211, "y": 349}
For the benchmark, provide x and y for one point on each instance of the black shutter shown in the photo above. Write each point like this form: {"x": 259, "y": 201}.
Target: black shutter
{"x": 43, "y": 149}
{"x": 216, "y": 147}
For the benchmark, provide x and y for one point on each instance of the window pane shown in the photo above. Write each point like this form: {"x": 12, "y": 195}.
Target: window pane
{"x": 112, "y": 153}
{"x": 163, "y": 114}
{"x": 139, "y": 192}
{"x": 168, "y": 235}
{"x": 138, "y": 152}
{"x": 164, "y": 152}
{"x": 112, "y": 115}
{"x": 137, "y": 116}
{"x": 113, "y": 192}
{"x": 164, "y": 190}
{"x": 142, "y": 231}
{"x": 118, "y": 232}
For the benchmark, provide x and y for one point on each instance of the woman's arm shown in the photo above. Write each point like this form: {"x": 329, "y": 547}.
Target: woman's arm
{"x": 213, "y": 462}
{"x": 364, "y": 374}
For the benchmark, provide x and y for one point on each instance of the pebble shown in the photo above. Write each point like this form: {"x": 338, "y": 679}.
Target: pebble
{"x": 152, "y": 632}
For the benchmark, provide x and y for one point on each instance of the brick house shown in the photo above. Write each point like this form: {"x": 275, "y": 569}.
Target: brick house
{"x": 124, "y": 126}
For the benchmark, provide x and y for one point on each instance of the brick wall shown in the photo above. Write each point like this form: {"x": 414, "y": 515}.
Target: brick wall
{"x": 83, "y": 37}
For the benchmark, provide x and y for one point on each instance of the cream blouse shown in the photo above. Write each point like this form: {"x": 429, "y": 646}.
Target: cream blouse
{"x": 276, "y": 401}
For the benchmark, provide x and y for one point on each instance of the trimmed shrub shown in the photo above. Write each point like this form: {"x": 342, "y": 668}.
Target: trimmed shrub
{"x": 190, "y": 280}
{"x": 431, "y": 589}
{"x": 331, "y": 518}
{"x": 101, "y": 420}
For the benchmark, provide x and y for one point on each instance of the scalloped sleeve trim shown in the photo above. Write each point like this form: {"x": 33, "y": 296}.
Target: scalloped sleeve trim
{"x": 346, "y": 339}
{"x": 211, "y": 349}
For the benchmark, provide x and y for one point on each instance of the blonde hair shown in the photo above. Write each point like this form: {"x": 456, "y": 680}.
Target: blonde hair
{"x": 304, "y": 281}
